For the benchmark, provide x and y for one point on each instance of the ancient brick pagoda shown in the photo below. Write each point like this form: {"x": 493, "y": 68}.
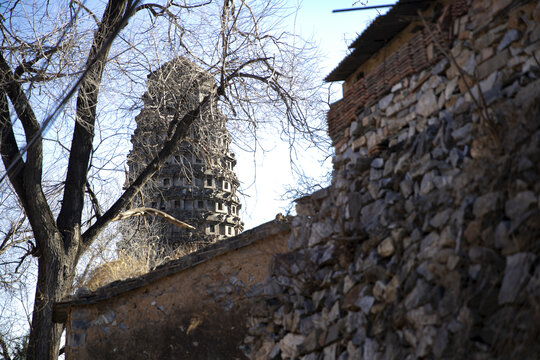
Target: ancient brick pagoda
{"x": 197, "y": 184}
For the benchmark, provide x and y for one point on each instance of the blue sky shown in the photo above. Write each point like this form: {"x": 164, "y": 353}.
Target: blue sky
{"x": 332, "y": 32}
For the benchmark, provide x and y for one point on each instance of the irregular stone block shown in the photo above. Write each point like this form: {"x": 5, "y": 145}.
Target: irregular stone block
{"x": 462, "y": 133}
{"x": 441, "y": 218}
{"x": 371, "y": 212}
{"x": 486, "y": 40}
{"x": 255, "y": 290}
{"x": 406, "y": 186}
{"x": 365, "y": 303}
{"x": 487, "y": 203}
{"x": 489, "y": 83}
{"x": 493, "y": 64}
{"x": 427, "y": 337}
{"x": 370, "y": 348}
{"x": 306, "y": 325}
{"x": 500, "y": 237}
{"x": 516, "y": 275}
{"x": 104, "y": 319}
{"x": 375, "y": 174}
{"x": 519, "y": 204}
{"x": 319, "y": 232}
{"x": 533, "y": 287}
{"x": 291, "y": 345}
{"x": 385, "y": 101}
{"x": 397, "y": 87}
{"x": 328, "y": 255}
{"x": 394, "y": 108}
{"x": 359, "y": 336}
{"x": 359, "y": 142}
{"x": 377, "y": 163}
{"x": 355, "y": 128}
{"x": 427, "y": 104}
{"x": 440, "y": 67}
{"x": 349, "y": 303}
{"x": 422, "y": 316}
{"x": 386, "y": 247}
{"x": 508, "y": 38}
{"x": 425, "y": 269}
{"x": 332, "y": 335}
{"x": 312, "y": 356}
{"x": 498, "y": 5}
{"x": 487, "y": 256}
{"x": 378, "y": 290}
{"x": 334, "y": 313}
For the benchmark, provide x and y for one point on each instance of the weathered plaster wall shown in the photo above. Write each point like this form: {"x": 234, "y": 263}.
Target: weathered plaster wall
{"x": 193, "y": 308}
{"x": 426, "y": 245}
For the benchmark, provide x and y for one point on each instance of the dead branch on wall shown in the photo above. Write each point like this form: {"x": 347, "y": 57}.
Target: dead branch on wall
{"x": 487, "y": 121}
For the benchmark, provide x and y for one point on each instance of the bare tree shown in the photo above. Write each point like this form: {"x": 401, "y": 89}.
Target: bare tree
{"x": 16, "y": 247}
{"x": 53, "y": 112}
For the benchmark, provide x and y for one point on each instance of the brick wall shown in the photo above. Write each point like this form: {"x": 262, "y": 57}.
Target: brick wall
{"x": 416, "y": 54}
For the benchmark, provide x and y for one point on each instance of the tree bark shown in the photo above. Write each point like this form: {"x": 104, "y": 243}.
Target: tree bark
{"x": 56, "y": 271}
{"x": 60, "y": 242}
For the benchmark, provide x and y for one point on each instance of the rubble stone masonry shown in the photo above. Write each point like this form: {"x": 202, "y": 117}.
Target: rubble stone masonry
{"x": 427, "y": 243}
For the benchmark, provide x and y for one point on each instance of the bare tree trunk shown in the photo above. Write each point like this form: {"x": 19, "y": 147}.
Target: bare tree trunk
{"x": 56, "y": 271}
{"x": 45, "y": 335}
{"x": 60, "y": 242}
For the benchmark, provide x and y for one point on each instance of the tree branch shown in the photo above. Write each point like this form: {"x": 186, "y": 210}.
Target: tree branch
{"x": 143, "y": 211}
{"x": 87, "y": 10}
{"x": 480, "y": 103}
{"x": 169, "y": 147}
{"x": 10, "y": 150}
{"x": 114, "y": 18}
{"x": 249, "y": 62}
{"x": 12, "y": 230}
{"x": 5, "y": 350}
{"x": 25, "y": 177}
{"x": 93, "y": 200}
{"x": 28, "y": 119}
{"x": 165, "y": 9}
{"x": 27, "y": 65}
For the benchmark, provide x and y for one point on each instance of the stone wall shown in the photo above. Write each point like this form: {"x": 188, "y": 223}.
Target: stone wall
{"x": 426, "y": 245}
{"x": 191, "y": 308}
{"x": 411, "y": 52}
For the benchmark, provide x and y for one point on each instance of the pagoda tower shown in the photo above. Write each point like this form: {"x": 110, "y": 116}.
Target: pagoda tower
{"x": 197, "y": 184}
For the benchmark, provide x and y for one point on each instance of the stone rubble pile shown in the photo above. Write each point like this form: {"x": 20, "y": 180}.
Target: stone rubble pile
{"x": 427, "y": 243}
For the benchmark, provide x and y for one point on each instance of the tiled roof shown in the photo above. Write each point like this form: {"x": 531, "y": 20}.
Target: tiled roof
{"x": 116, "y": 288}
{"x": 376, "y": 35}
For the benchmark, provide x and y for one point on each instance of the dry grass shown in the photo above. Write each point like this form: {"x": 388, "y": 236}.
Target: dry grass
{"x": 128, "y": 266}
{"x": 124, "y": 267}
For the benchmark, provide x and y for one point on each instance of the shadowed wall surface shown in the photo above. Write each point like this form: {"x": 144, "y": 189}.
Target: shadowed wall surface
{"x": 196, "y": 307}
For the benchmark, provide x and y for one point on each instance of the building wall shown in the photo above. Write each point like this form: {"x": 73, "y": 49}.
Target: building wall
{"x": 426, "y": 243}
{"x": 409, "y": 52}
{"x": 193, "y": 308}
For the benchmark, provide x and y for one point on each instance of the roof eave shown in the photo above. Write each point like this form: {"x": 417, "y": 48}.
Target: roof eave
{"x": 383, "y": 29}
